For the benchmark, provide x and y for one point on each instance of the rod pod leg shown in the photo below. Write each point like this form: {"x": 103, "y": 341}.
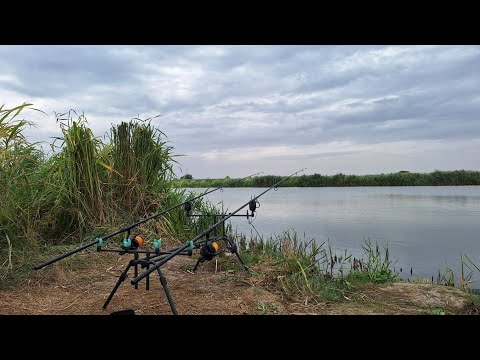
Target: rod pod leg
{"x": 135, "y": 268}
{"x": 234, "y": 250}
{"x": 121, "y": 278}
{"x": 198, "y": 263}
{"x": 163, "y": 281}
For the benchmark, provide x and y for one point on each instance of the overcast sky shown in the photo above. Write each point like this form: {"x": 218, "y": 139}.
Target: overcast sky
{"x": 236, "y": 110}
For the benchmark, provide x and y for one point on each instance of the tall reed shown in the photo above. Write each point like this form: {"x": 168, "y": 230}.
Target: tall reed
{"x": 142, "y": 166}
{"x": 20, "y": 162}
{"x": 85, "y": 183}
{"x": 75, "y": 177}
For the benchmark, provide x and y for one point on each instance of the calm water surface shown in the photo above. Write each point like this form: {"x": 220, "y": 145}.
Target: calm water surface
{"x": 425, "y": 227}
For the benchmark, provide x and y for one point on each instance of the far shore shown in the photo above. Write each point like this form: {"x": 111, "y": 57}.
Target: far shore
{"x": 401, "y": 178}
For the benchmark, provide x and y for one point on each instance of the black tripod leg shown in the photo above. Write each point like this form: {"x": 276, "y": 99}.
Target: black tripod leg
{"x": 147, "y": 281}
{"x": 239, "y": 258}
{"x": 121, "y": 278}
{"x": 196, "y": 265}
{"x": 136, "y": 268}
{"x": 163, "y": 280}
{"x": 233, "y": 248}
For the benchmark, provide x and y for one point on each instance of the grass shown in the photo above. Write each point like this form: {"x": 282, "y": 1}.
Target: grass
{"x": 376, "y": 268}
{"x": 360, "y": 286}
{"x": 141, "y": 164}
{"x": 465, "y": 278}
{"x": 302, "y": 270}
{"x": 75, "y": 178}
{"x": 20, "y": 160}
{"x": 25, "y": 259}
{"x": 299, "y": 269}
{"x": 437, "y": 311}
{"x": 473, "y": 305}
{"x": 267, "y": 308}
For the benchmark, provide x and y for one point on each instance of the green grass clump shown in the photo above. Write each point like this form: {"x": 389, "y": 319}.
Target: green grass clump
{"x": 300, "y": 268}
{"x": 375, "y": 269}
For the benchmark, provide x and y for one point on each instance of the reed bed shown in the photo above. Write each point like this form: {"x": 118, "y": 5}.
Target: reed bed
{"x": 85, "y": 186}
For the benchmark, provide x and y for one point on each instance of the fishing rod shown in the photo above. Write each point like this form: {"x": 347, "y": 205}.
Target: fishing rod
{"x": 252, "y": 205}
{"x": 99, "y": 241}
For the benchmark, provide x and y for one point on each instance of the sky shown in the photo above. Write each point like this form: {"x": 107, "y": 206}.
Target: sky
{"x": 237, "y": 110}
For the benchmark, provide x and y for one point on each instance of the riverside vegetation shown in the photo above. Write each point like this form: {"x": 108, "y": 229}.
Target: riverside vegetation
{"x": 86, "y": 187}
{"x": 401, "y": 178}
{"x": 83, "y": 188}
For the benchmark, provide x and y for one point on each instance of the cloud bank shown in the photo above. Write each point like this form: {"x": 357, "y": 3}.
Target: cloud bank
{"x": 235, "y": 110}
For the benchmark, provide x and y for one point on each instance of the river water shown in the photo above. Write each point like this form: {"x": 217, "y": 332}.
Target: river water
{"x": 425, "y": 227}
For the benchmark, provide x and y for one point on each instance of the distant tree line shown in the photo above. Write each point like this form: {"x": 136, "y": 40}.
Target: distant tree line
{"x": 402, "y": 178}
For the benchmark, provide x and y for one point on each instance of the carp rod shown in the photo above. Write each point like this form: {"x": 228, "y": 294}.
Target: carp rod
{"x": 130, "y": 227}
{"x": 252, "y": 205}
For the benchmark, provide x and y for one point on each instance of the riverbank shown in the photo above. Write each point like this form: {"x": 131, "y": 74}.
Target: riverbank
{"x": 285, "y": 277}
{"x": 81, "y": 287}
{"x": 402, "y": 178}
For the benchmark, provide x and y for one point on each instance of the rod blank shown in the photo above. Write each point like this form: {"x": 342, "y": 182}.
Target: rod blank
{"x": 129, "y": 227}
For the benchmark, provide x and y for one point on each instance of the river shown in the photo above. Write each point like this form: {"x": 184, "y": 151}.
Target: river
{"x": 425, "y": 227}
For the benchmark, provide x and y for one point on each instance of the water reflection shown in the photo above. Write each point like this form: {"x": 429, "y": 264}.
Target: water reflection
{"x": 448, "y": 199}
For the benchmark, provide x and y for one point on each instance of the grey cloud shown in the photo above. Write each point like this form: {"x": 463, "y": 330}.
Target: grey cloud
{"x": 222, "y": 97}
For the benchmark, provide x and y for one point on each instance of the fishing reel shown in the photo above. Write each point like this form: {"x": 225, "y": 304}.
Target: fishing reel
{"x": 132, "y": 242}
{"x": 209, "y": 250}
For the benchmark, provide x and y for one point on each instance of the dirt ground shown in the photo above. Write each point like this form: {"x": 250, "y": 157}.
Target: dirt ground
{"x": 69, "y": 288}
